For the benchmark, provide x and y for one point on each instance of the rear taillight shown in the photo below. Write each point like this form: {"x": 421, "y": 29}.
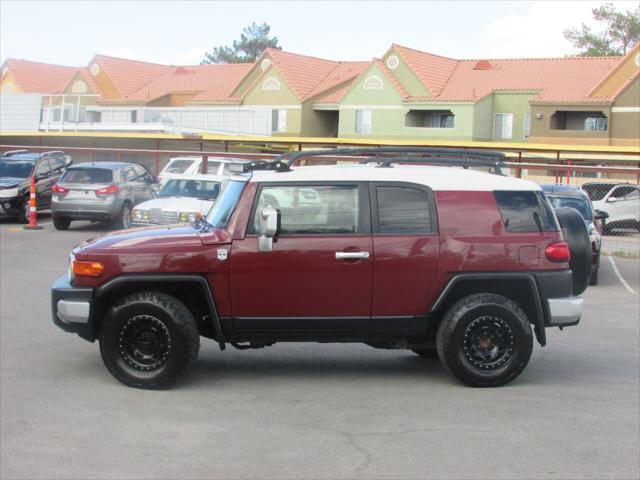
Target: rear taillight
{"x": 558, "y": 252}
{"x": 58, "y": 189}
{"x": 110, "y": 190}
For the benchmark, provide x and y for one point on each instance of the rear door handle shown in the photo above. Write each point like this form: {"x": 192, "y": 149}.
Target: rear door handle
{"x": 348, "y": 255}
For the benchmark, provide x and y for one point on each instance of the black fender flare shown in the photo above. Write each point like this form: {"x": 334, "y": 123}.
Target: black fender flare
{"x": 169, "y": 278}
{"x": 575, "y": 233}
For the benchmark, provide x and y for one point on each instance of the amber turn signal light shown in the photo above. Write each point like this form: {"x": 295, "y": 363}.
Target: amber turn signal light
{"x": 87, "y": 269}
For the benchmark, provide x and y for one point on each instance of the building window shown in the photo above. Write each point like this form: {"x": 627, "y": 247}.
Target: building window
{"x": 595, "y": 123}
{"x": 585, "y": 121}
{"x": 503, "y": 126}
{"x": 264, "y": 64}
{"x": 527, "y": 125}
{"x": 393, "y": 62}
{"x": 279, "y": 120}
{"x": 429, "y": 119}
{"x": 95, "y": 69}
{"x": 363, "y": 121}
{"x": 271, "y": 84}
{"x": 373, "y": 82}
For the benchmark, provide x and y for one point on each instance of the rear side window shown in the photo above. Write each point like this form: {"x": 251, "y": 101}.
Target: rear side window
{"x": 87, "y": 175}
{"x": 403, "y": 210}
{"x": 526, "y": 211}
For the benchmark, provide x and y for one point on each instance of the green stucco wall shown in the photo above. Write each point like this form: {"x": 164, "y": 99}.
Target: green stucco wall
{"x": 278, "y": 98}
{"x": 483, "y": 119}
{"x": 406, "y": 77}
{"x": 516, "y": 103}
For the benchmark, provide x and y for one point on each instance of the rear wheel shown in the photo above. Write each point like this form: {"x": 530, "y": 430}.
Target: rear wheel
{"x": 149, "y": 340}
{"x": 485, "y": 340}
{"x": 124, "y": 217}
{"x": 61, "y": 223}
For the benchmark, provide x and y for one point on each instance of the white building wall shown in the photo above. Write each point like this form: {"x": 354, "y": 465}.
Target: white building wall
{"x": 20, "y": 112}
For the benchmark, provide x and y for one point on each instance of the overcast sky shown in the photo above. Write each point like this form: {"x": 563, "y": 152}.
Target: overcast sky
{"x": 70, "y": 32}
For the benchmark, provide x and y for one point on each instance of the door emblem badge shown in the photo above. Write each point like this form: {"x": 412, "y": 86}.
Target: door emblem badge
{"x": 222, "y": 254}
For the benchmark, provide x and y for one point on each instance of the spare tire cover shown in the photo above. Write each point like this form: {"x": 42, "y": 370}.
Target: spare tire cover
{"x": 576, "y": 235}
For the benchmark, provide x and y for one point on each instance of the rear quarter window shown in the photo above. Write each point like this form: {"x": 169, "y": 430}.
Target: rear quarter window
{"x": 87, "y": 175}
{"x": 525, "y": 211}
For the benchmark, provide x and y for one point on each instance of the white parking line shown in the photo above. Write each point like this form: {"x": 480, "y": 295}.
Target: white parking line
{"x": 617, "y": 272}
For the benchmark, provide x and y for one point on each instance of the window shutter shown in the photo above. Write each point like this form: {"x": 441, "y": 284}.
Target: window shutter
{"x": 282, "y": 120}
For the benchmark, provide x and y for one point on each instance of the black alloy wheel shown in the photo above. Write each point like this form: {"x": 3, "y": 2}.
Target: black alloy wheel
{"x": 144, "y": 343}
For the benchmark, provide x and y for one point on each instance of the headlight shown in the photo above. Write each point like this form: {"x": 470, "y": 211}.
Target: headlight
{"x": 140, "y": 214}
{"x": 9, "y": 192}
{"x": 190, "y": 216}
{"x": 72, "y": 257}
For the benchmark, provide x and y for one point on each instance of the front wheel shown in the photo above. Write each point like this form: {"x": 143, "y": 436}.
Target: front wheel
{"x": 149, "y": 340}
{"x": 485, "y": 340}
{"x": 25, "y": 209}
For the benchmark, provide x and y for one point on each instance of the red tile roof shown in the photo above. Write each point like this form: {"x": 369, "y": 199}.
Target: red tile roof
{"x": 394, "y": 81}
{"x": 301, "y": 72}
{"x": 334, "y": 96}
{"x": 129, "y": 75}
{"x": 555, "y": 79}
{"x": 344, "y": 72}
{"x": 36, "y": 77}
{"x": 87, "y": 77}
{"x": 432, "y": 70}
{"x": 206, "y": 82}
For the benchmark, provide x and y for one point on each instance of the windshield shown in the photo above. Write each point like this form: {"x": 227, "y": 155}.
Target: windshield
{"x": 204, "y": 190}
{"x": 15, "y": 168}
{"x": 87, "y": 175}
{"x": 578, "y": 203}
{"x": 221, "y": 211}
{"x": 178, "y": 166}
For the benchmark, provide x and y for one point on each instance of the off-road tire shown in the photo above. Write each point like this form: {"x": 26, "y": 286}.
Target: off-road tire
{"x": 450, "y": 339}
{"x": 576, "y": 235}
{"x": 61, "y": 223}
{"x": 119, "y": 222}
{"x": 426, "y": 352}
{"x": 173, "y": 318}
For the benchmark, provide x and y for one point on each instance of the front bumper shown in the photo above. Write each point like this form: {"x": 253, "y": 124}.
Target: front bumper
{"x": 71, "y": 308}
{"x": 564, "y": 312}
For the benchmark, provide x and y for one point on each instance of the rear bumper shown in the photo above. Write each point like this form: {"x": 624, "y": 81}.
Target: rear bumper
{"x": 563, "y": 309}
{"x": 564, "y": 312}
{"x": 87, "y": 210}
{"x": 71, "y": 308}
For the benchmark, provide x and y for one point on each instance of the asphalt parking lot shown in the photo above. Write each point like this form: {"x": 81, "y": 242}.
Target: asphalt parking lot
{"x": 310, "y": 410}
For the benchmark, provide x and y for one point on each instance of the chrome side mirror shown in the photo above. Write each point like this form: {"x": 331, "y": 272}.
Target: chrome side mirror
{"x": 268, "y": 229}
{"x": 612, "y": 199}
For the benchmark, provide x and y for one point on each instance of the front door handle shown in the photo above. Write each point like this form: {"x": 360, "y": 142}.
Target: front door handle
{"x": 348, "y": 255}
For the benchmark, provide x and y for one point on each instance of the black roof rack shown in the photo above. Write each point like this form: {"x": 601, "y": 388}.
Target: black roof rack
{"x": 385, "y": 156}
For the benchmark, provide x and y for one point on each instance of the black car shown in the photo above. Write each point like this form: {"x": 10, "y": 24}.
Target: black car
{"x": 562, "y": 196}
{"x": 16, "y": 168}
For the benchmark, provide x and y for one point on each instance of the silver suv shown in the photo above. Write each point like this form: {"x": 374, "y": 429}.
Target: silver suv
{"x": 100, "y": 191}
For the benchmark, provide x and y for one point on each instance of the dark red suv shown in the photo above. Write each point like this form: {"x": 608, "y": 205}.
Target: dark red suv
{"x": 445, "y": 261}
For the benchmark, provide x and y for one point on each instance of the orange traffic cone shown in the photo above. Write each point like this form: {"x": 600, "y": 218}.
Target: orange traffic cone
{"x": 33, "y": 219}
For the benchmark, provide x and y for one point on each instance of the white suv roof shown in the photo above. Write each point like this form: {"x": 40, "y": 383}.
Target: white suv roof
{"x": 437, "y": 178}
